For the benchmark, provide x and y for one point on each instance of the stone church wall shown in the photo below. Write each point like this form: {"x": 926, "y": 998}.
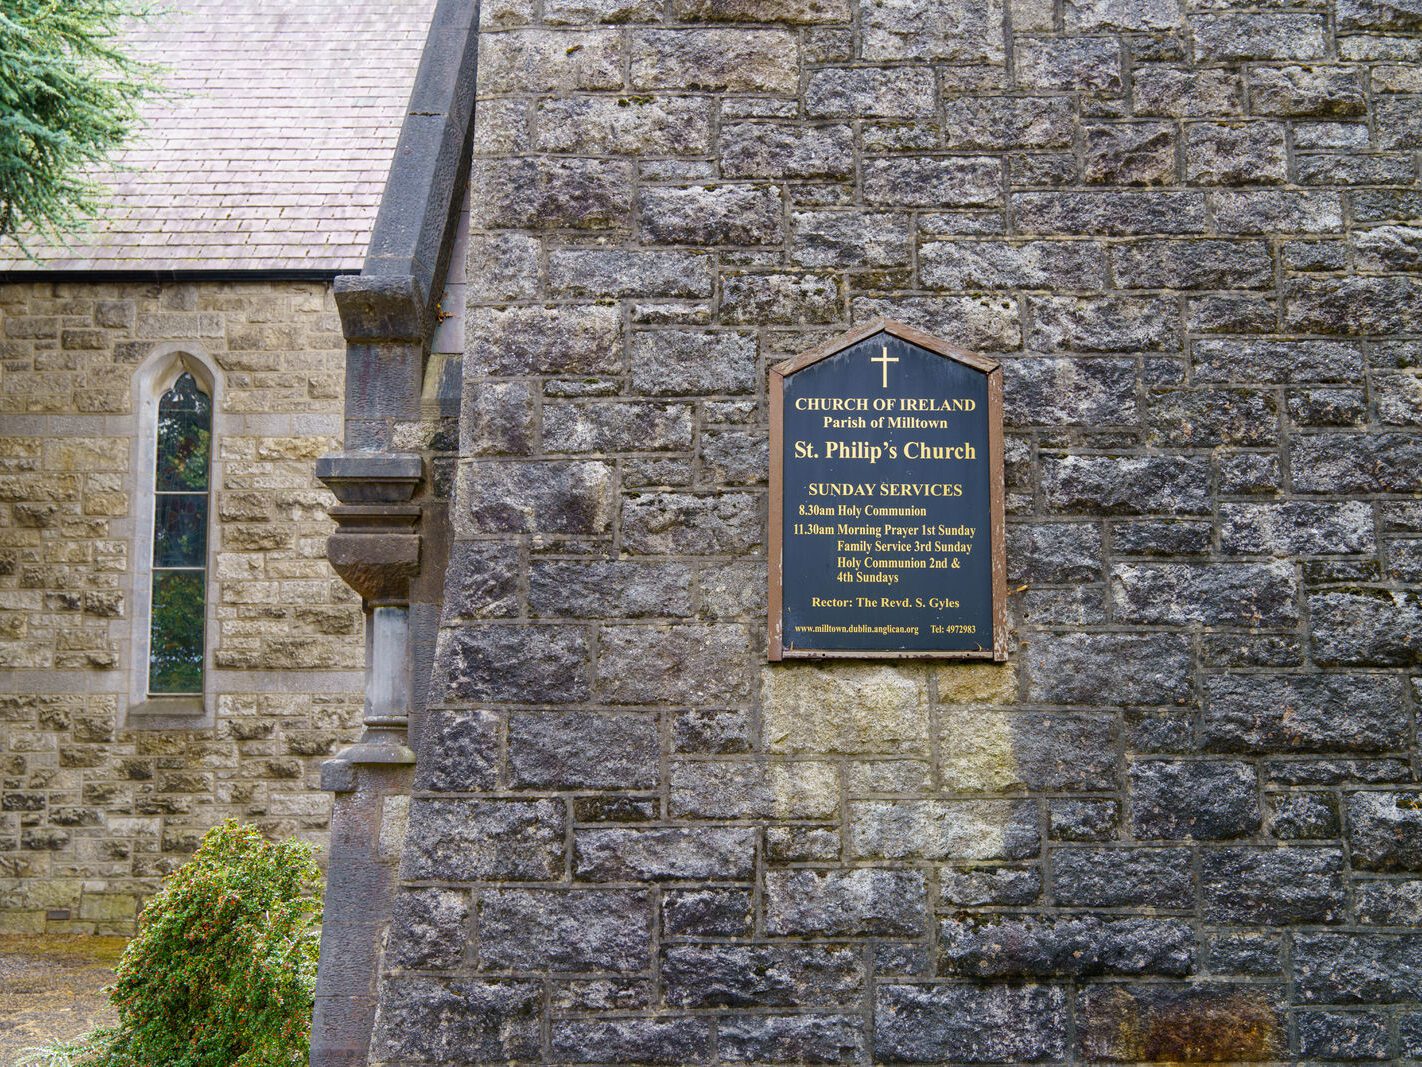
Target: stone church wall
{"x": 1184, "y": 822}
{"x": 95, "y": 806}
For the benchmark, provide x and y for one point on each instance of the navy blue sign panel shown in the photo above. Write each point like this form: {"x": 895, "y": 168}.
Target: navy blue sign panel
{"x": 886, "y": 500}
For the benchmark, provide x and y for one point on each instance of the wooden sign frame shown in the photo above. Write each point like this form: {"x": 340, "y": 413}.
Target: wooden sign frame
{"x": 777, "y": 650}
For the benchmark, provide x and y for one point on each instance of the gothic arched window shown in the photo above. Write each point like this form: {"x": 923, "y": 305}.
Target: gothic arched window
{"x": 181, "y": 484}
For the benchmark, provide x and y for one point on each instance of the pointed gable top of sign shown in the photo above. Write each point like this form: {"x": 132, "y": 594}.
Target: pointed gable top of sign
{"x": 897, "y": 329}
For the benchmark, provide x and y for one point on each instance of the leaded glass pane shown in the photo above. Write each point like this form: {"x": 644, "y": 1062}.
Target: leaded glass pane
{"x": 180, "y": 530}
{"x": 184, "y": 437}
{"x": 178, "y": 608}
{"x": 175, "y": 657}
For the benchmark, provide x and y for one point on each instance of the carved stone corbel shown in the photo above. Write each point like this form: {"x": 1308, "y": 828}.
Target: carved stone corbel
{"x": 376, "y": 550}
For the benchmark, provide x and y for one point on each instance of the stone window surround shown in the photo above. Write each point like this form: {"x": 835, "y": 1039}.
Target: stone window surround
{"x": 155, "y": 376}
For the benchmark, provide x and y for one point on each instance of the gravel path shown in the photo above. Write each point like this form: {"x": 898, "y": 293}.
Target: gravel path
{"x": 50, "y": 989}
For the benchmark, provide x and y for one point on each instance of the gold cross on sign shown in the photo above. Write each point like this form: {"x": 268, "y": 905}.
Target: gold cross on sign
{"x": 885, "y": 359}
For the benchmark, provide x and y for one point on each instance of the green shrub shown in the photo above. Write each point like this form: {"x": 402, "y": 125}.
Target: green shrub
{"x": 223, "y": 968}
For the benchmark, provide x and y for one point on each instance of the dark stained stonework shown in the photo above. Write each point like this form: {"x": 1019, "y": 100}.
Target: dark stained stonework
{"x": 1182, "y": 823}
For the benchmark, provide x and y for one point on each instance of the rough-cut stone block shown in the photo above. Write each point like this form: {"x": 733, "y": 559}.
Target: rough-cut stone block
{"x": 870, "y": 92}
{"x": 709, "y": 853}
{"x": 1389, "y": 248}
{"x": 1117, "y": 324}
{"x": 1366, "y": 628}
{"x": 791, "y": 1038}
{"x": 933, "y": 181}
{"x": 969, "y": 1023}
{"x": 1296, "y": 527}
{"x": 429, "y": 928}
{"x": 1271, "y": 210}
{"x": 484, "y": 840}
{"x": 1085, "y": 64}
{"x": 845, "y": 709}
{"x": 1069, "y": 946}
{"x": 1353, "y": 306}
{"x": 1378, "y": 15}
{"x": 1207, "y": 594}
{"x": 617, "y": 426}
{"x": 943, "y": 829}
{"x": 1342, "y": 463}
{"x": 1202, "y": 1022}
{"x": 848, "y": 239}
{"x": 1263, "y": 36}
{"x": 977, "y": 683}
{"x": 721, "y": 790}
{"x": 1001, "y": 123}
{"x": 567, "y": 339}
{"x": 552, "y": 194}
{"x": 1127, "y": 485}
{"x": 1399, "y": 398}
{"x": 1044, "y": 390}
{"x": 976, "y": 886}
{"x": 1122, "y": 877}
{"x": 515, "y": 664}
{"x": 1343, "y": 1035}
{"x": 625, "y": 125}
{"x": 1109, "y": 669}
{"x": 439, "y": 1020}
{"x": 1134, "y": 15}
{"x": 1051, "y": 265}
{"x": 496, "y": 419}
{"x": 1048, "y": 552}
{"x": 1302, "y": 816}
{"x": 799, "y": 12}
{"x": 692, "y": 362}
{"x": 1389, "y": 902}
{"x": 1272, "y": 886}
{"x": 785, "y": 298}
{"x": 1190, "y": 418}
{"x": 601, "y": 273}
{"x": 1071, "y": 214}
{"x": 1304, "y": 713}
{"x": 609, "y": 589}
{"x": 1195, "y": 800}
{"x": 711, "y": 215}
{"x": 991, "y": 751}
{"x": 986, "y": 322}
{"x": 706, "y": 912}
{"x": 1206, "y": 264}
{"x": 956, "y": 30}
{"x": 864, "y": 902}
{"x": 669, "y": 1041}
{"x": 681, "y": 664}
{"x": 460, "y": 752}
{"x": 564, "y": 930}
{"x": 1305, "y": 92}
{"x": 1235, "y": 153}
{"x": 690, "y": 524}
{"x": 732, "y": 60}
{"x": 583, "y": 750}
{"x": 1083, "y": 820}
{"x": 751, "y": 976}
{"x": 1385, "y": 830}
{"x": 780, "y": 150}
{"x": 1368, "y": 968}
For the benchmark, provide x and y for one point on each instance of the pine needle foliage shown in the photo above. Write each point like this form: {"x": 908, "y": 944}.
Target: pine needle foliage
{"x": 69, "y": 98}
{"x": 223, "y": 968}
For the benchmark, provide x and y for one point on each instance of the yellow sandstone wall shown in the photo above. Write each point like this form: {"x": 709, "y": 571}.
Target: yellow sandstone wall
{"x": 95, "y": 808}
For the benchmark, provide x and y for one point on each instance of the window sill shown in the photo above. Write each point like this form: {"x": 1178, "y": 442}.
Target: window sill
{"x": 167, "y": 713}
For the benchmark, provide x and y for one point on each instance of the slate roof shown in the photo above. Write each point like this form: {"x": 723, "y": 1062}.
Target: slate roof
{"x": 273, "y": 152}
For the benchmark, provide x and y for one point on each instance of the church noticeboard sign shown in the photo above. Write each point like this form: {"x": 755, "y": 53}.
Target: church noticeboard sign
{"x": 886, "y": 528}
